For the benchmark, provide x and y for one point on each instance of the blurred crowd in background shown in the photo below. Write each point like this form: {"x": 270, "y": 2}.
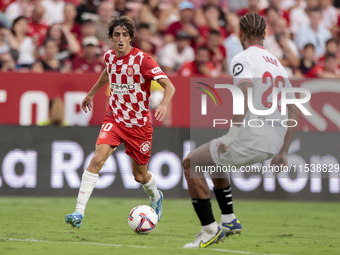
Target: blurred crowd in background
{"x": 195, "y": 38}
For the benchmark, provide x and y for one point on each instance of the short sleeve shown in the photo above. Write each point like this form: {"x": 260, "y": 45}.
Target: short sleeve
{"x": 150, "y": 70}
{"x": 241, "y": 70}
{"x": 107, "y": 56}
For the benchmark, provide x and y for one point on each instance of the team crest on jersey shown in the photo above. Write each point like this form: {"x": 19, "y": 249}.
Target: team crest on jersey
{"x": 145, "y": 147}
{"x": 103, "y": 135}
{"x": 130, "y": 71}
{"x": 238, "y": 68}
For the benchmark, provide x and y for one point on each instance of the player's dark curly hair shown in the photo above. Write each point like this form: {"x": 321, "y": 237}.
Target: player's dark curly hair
{"x": 122, "y": 21}
{"x": 253, "y": 25}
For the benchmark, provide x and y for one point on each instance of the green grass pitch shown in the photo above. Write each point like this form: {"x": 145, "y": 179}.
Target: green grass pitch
{"x": 36, "y": 226}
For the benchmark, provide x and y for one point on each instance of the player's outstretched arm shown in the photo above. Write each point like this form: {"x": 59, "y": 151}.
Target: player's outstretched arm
{"x": 169, "y": 91}
{"x": 233, "y": 131}
{"x": 87, "y": 101}
{"x": 281, "y": 158}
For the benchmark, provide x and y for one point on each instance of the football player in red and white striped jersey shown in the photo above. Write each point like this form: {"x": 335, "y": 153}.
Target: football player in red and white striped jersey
{"x": 129, "y": 72}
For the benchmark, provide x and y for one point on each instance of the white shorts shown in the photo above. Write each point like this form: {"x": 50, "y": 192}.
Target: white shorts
{"x": 237, "y": 155}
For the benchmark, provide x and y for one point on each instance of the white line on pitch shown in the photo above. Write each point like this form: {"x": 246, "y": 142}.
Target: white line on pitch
{"x": 43, "y": 241}
{"x": 131, "y": 246}
{"x": 247, "y": 252}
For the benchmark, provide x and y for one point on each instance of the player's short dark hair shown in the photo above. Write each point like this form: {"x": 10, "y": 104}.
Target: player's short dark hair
{"x": 332, "y": 40}
{"x": 214, "y": 32}
{"x": 122, "y": 21}
{"x": 309, "y": 45}
{"x": 329, "y": 55}
{"x": 143, "y": 26}
{"x": 253, "y": 25}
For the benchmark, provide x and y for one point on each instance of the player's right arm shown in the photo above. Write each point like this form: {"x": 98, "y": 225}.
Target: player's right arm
{"x": 87, "y": 101}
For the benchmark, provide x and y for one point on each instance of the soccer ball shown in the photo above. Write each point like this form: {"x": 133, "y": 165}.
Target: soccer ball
{"x": 142, "y": 219}
{"x": 155, "y": 98}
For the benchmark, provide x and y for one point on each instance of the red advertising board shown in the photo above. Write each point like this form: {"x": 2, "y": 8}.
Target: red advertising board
{"x": 24, "y": 99}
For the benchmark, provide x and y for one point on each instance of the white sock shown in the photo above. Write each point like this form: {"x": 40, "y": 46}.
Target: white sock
{"x": 228, "y": 217}
{"x": 211, "y": 228}
{"x": 151, "y": 189}
{"x": 88, "y": 181}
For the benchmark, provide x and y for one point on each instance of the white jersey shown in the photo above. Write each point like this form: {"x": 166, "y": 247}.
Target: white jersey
{"x": 261, "y": 68}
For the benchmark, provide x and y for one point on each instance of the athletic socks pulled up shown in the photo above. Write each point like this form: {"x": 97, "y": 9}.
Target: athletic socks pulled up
{"x": 204, "y": 212}
{"x": 151, "y": 189}
{"x": 225, "y": 202}
{"x": 88, "y": 182}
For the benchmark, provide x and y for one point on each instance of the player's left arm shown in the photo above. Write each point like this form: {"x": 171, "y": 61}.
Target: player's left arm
{"x": 281, "y": 158}
{"x": 150, "y": 70}
{"x": 169, "y": 91}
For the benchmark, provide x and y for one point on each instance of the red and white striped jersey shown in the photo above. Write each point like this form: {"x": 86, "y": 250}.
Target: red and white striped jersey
{"x": 130, "y": 80}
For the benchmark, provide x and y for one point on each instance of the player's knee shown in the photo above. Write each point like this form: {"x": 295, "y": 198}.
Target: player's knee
{"x": 186, "y": 162}
{"x": 97, "y": 161}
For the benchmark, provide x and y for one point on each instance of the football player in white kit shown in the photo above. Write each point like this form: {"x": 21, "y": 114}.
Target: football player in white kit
{"x": 258, "y": 69}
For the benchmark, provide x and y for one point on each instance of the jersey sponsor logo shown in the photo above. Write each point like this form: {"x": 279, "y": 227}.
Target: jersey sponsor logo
{"x": 103, "y": 135}
{"x": 238, "y": 68}
{"x": 130, "y": 71}
{"x": 156, "y": 70}
{"x": 122, "y": 88}
{"x": 145, "y": 147}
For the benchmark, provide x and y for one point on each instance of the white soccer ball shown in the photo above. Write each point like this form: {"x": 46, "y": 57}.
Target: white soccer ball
{"x": 142, "y": 219}
{"x": 155, "y": 98}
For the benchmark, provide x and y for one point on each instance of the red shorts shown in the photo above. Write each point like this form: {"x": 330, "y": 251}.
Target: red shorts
{"x": 137, "y": 140}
